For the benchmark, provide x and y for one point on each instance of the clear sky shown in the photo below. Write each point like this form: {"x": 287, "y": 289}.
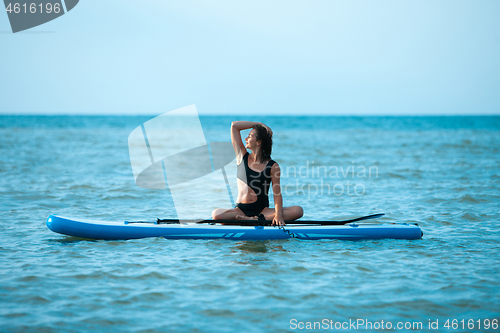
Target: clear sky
{"x": 256, "y": 57}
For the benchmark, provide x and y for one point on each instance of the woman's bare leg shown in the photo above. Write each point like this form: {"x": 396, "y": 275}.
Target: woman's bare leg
{"x": 244, "y": 217}
{"x": 291, "y": 213}
{"x": 226, "y": 214}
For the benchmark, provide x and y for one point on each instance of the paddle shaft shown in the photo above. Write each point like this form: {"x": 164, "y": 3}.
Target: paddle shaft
{"x": 264, "y": 222}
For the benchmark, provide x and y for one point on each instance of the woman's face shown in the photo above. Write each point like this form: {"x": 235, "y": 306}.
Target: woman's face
{"x": 251, "y": 140}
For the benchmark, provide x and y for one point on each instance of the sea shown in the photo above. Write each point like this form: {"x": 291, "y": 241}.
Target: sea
{"x": 441, "y": 172}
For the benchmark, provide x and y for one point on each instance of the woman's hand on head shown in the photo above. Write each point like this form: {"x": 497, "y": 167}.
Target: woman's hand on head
{"x": 269, "y": 131}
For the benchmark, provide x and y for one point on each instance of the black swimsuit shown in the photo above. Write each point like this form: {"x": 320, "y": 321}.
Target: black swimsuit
{"x": 259, "y": 182}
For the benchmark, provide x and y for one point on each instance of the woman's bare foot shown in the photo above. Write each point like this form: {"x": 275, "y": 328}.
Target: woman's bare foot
{"x": 243, "y": 217}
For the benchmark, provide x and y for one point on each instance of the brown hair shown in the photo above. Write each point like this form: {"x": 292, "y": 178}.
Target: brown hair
{"x": 266, "y": 142}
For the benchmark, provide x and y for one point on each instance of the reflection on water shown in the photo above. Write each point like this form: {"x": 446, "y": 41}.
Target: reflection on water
{"x": 258, "y": 247}
{"x": 71, "y": 240}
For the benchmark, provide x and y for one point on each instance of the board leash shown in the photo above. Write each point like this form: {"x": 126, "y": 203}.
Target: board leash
{"x": 263, "y": 220}
{"x": 288, "y": 232}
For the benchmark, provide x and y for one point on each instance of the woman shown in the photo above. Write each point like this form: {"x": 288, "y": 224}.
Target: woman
{"x": 256, "y": 171}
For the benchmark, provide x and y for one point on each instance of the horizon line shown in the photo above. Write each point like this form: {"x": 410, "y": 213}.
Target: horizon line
{"x": 256, "y": 115}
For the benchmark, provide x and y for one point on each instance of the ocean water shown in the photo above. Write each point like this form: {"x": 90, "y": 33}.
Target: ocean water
{"x": 440, "y": 172}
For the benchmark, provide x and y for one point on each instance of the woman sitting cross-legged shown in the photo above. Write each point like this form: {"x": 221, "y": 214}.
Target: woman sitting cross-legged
{"x": 255, "y": 173}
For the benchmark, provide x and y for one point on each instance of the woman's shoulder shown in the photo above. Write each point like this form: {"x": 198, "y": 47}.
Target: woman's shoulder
{"x": 274, "y": 167}
{"x": 273, "y": 164}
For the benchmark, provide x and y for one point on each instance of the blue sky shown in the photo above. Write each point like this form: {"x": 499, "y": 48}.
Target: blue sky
{"x": 257, "y": 57}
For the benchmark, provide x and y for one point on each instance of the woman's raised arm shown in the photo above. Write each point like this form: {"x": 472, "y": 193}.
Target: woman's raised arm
{"x": 236, "y": 127}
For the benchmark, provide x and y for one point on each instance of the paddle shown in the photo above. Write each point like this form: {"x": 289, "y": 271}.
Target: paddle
{"x": 260, "y": 222}
{"x": 368, "y": 217}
